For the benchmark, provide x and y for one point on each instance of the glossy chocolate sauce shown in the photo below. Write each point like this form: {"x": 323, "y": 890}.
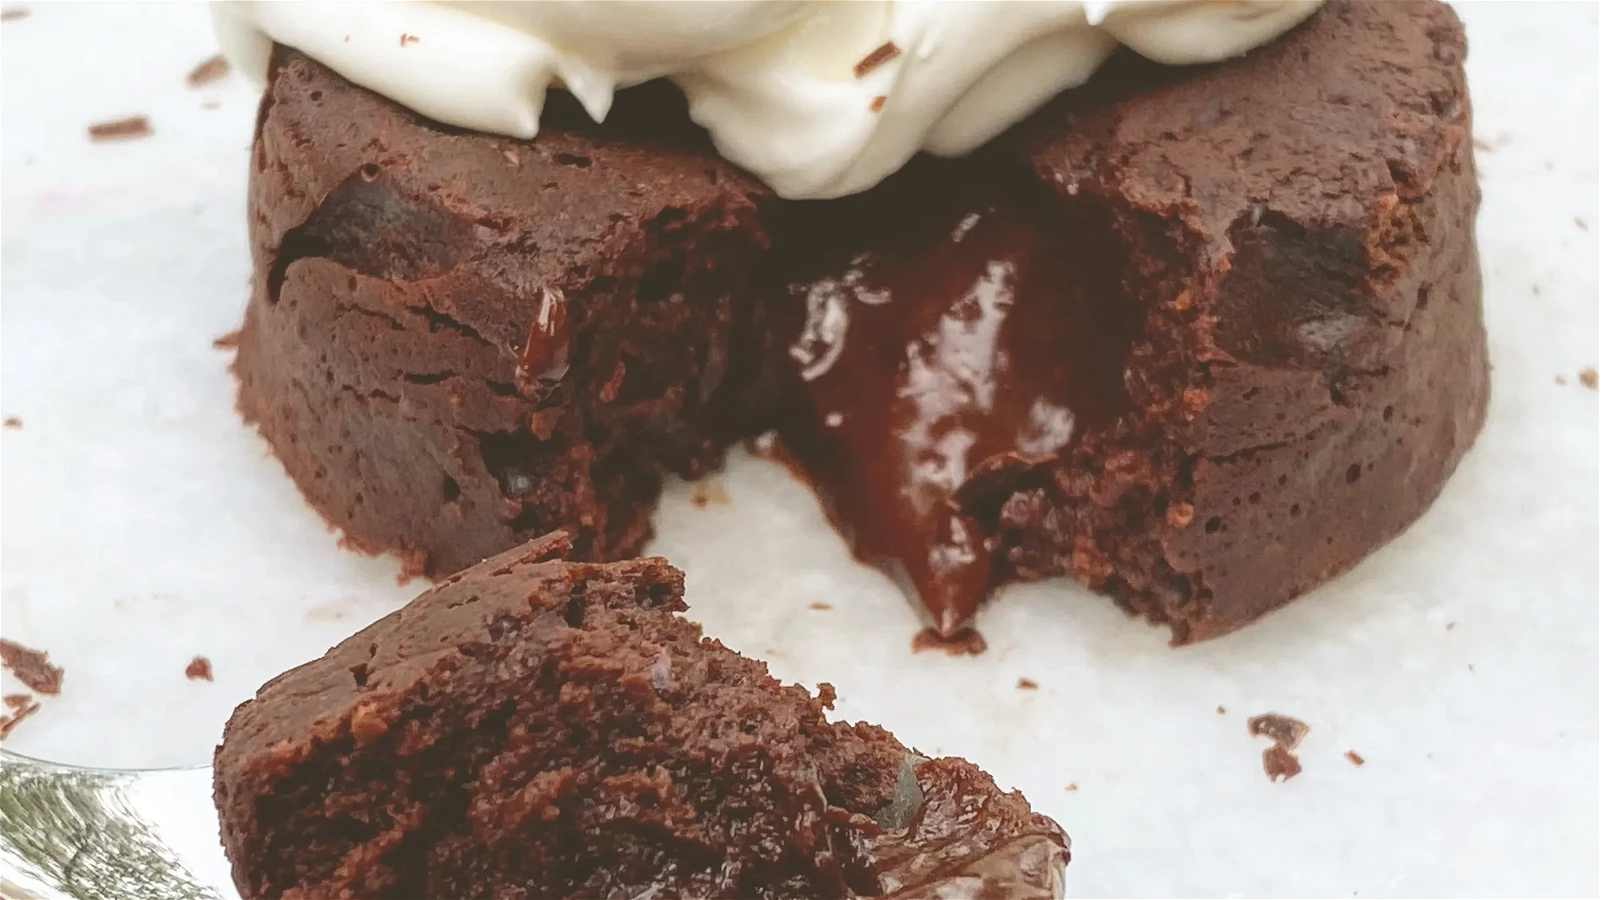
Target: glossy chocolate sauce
{"x": 924, "y": 345}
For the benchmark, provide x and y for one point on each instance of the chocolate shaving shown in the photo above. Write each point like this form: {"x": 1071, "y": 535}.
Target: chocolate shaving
{"x": 199, "y": 669}
{"x": 121, "y": 129}
{"x": 1355, "y": 758}
{"x": 8, "y": 723}
{"x": 16, "y": 701}
{"x": 13, "y": 422}
{"x": 819, "y": 605}
{"x": 213, "y": 69}
{"x": 885, "y": 52}
{"x": 32, "y": 667}
{"x": 1027, "y": 684}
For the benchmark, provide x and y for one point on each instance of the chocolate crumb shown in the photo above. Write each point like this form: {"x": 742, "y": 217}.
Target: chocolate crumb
{"x": 1279, "y": 728}
{"x": 1072, "y": 788}
{"x": 966, "y": 642}
{"x": 13, "y": 14}
{"x": 1286, "y": 734}
{"x": 213, "y": 69}
{"x": 199, "y": 669}
{"x": 1027, "y": 684}
{"x": 1355, "y": 758}
{"x": 1449, "y": 626}
{"x": 885, "y": 52}
{"x": 1579, "y": 221}
{"x": 408, "y": 39}
{"x": 1222, "y": 710}
{"x": 121, "y": 129}
{"x": 877, "y": 103}
{"x": 227, "y": 341}
{"x": 32, "y": 667}
{"x": 1589, "y": 378}
{"x": 709, "y": 493}
{"x": 819, "y": 605}
{"x": 1279, "y": 763}
{"x": 13, "y": 422}
{"x": 10, "y": 722}
{"x": 16, "y": 701}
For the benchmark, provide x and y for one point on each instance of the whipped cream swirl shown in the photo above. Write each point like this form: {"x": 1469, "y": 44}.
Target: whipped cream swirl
{"x": 817, "y": 98}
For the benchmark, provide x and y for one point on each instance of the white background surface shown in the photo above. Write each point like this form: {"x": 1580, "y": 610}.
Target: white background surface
{"x": 143, "y": 524}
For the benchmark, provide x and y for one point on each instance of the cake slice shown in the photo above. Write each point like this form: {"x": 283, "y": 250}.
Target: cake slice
{"x": 534, "y": 727}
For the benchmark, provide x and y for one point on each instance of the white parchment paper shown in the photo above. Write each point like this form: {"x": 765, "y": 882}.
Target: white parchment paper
{"x": 144, "y": 524}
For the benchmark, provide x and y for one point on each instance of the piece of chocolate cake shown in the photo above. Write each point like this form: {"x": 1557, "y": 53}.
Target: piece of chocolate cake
{"x": 1199, "y": 338}
{"x": 456, "y": 342}
{"x": 540, "y": 728}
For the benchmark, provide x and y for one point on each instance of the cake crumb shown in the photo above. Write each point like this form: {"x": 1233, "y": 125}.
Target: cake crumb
{"x": 199, "y": 669}
{"x": 211, "y": 103}
{"x": 966, "y": 642}
{"x": 407, "y": 40}
{"x": 12, "y": 14}
{"x": 1482, "y": 146}
{"x": 1027, "y": 684}
{"x": 126, "y": 129}
{"x": 1589, "y": 378}
{"x": 1561, "y": 380}
{"x": 709, "y": 493}
{"x": 214, "y": 69}
{"x": 819, "y": 605}
{"x": 32, "y": 667}
{"x": 1355, "y": 758}
{"x": 512, "y": 157}
{"x": 1279, "y": 763}
{"x": 1280, "y": 729}
{"x": 1579, "y": 221}
{"x": 20, "y": 709}
{"x": 1222, "y": 710}
{"x": 1072, "y": 788}
{"x": 1286, "y": 733}
{"x": 1449, "y": 626}
{"x": 227, "y": 341}
{"x": 13, "y": 422}
{"x": 877, "y": 103}
{"x": 884, "y": 52}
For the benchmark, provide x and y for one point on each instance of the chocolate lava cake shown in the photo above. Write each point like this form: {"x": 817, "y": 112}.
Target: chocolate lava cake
{"x": 1199, "y": 338}
{"x": 539, "y": 728}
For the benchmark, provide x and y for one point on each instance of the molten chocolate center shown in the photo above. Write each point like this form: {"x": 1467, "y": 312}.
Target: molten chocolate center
{"x": 932, "y": 343}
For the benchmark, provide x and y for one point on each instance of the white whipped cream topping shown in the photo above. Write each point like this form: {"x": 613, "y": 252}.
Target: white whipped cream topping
{"x": 817, "y": 98}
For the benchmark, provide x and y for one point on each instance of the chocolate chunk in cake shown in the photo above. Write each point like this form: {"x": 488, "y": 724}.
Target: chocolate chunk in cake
{"x": 540, "y": 728}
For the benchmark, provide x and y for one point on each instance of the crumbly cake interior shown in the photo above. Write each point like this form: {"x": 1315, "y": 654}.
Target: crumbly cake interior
{"x": 543, "y": 729}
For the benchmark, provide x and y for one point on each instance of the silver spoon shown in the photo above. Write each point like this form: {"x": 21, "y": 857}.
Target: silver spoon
{"x": 77, "y": 833}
